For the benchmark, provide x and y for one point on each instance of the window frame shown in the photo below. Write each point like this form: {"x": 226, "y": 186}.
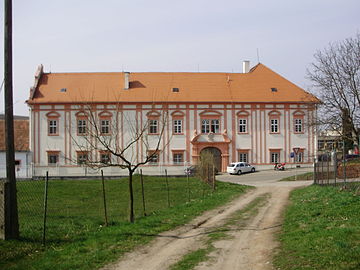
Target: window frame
{"x": 210, "y": 125}
{"x": 274, "y": 128}
{"x": 53, "y": 154}
{"x": 103, "y": 154}
{"x": 53, "y": 117}
{"x": 80, "y": 154}
{"x": 277, "y": 153}
{"x": 157, "y": 159}
{"x": 243, "y": 153}
{"x": 177, "y": 126}
{"x": 153, "y": 128}
{"x": 176, "y": 153}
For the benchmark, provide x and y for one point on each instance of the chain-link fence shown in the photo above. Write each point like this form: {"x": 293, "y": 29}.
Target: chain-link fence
{"x": 76, "y": 207}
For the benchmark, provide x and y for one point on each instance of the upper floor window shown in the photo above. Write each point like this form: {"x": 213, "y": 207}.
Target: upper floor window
{"x": 53, "y": 123}
{"x": 153, "y": 122}
{"x": 53, "y": 127}
{"x": 298, "y": 117}
{"x": 178, "y": 122}
{"x": 243, "y": 121}
{"x": 105, "y": 126}
{"x": 105, "y": 122}
{"x": 81, "y": 126}
{"x": 178, "y": 126}
{"x": 210, "y": 121}
{"x": 153, "y": 126}
{"x": 82, "y": 122}
{"x": 274, "y": 117}
{"x": 210, "y": 125}
{"x": 274, "y": 125}
{"x": 243, "y": 125}
{"x": 298, "y": 125}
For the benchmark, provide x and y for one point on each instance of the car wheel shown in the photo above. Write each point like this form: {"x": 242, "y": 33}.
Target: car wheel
{"x": 253, "y": 170}
{"x": 239, "y": 172}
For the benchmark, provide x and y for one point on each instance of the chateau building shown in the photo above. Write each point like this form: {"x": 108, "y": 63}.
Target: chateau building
{"x": 256, "y": 116}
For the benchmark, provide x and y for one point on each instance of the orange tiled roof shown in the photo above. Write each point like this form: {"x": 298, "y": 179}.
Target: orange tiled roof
{"x": 254, "y": 86}
{"x": 21, "y": 133}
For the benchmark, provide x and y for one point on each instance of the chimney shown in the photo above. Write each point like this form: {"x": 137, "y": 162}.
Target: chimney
{"x": 126, "y": 80}
{"x": 246, "y": 66}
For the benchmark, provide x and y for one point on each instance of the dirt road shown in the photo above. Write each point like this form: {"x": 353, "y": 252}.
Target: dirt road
{"x": 250, "y": 246}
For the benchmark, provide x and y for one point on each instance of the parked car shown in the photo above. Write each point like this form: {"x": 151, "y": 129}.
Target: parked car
{"x": 239, "y": 168}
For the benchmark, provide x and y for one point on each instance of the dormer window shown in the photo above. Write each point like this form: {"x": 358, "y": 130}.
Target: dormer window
{"x": 274, "y": 89}
{"x": 175, "y": 90}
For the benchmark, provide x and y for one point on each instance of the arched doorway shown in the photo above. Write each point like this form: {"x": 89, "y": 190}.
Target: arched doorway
{"x": 216, "y": 154}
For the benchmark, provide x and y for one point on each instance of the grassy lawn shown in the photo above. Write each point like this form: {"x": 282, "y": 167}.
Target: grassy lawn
{"x": 321, "y": 230}
{"x": 299, "y": 177}
{"x": 76, "y": 237}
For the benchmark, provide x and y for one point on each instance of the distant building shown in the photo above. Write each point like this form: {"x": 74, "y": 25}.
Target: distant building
{"x": 256, "y": 116}
{"x": 22, "y": 151}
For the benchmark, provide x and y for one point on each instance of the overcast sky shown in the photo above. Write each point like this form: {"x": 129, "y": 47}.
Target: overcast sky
{"x": 172, "y": 35}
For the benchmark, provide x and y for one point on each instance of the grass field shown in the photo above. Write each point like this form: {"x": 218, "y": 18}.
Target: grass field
{"x": 76, "y": 237}
{"x": 321, "y": 230}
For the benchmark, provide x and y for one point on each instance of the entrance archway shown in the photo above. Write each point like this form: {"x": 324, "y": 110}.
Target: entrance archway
{"x": 216, "y": 154}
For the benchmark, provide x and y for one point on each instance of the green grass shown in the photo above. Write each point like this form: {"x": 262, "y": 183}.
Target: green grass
{"x": 321, "y": 230}
{"x": 76, "y": 237}
{"x": 300, "y": 177}
{"x": 237, "y": 221}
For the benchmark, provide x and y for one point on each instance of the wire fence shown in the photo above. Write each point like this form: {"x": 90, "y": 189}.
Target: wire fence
{"x": 78, "y": 207}
{"x": 328, "y": 170}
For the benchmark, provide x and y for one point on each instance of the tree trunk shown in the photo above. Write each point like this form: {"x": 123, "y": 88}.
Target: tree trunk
{"x": 131, "y": 201}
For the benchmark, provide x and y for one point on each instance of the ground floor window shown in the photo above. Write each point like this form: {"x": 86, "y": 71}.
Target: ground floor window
{"x": 299, "y": 157}
{"x": 82, "y": 157}
{"x": 53, "y": 158}
{"x": 275, "y": 157}
{"x": 243, "y": 157}
{"x": 154, "y": 158}
{"x": 178, "y": 158}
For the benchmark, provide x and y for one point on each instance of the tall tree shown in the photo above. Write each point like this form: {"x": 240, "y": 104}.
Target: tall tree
{"x": 119, "y": 140}
{"x": 335, "y": 74}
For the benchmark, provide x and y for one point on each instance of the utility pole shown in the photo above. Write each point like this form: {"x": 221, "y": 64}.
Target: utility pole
{"x": 11, "y": 214}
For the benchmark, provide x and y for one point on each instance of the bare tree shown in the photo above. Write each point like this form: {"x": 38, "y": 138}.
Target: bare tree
{"x": 336, "y": 76}
{"x": 110, "y": 140}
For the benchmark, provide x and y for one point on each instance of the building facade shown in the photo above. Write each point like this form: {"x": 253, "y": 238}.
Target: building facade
{"x": 23, "y": 161}
{"x": 256, "y": 116}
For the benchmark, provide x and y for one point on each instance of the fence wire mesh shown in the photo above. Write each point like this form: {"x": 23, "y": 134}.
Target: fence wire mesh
{"x": 76, "y": 207}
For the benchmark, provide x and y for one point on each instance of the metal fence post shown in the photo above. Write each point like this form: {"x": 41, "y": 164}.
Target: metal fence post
{"x": 104, "y": 197}
{"x": 45, "y": 207}
{"x": 142, "y": 191}
{"x": 167, "y": 187}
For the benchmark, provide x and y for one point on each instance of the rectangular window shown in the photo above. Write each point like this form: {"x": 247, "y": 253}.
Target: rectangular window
{"x": 274, "y": 157}
{"x": 105, "y": 126}
{"x": 105, "y": 158}
{"x": 178, "y": 158}
{"x": 210, "y": 125}
{"x": 243, "y": 157}
{"x": 153, "y": 126}
{"x": 298, "y": 125}
{"x": 274, "y": 125}
{"x": 299, "y": 157}
{"x": 53, "y": 127}
{"x": 178, "y": 126}
{"x": 81, "y": 126}
{"x": 154, "y": 159}
{"x": 82, "y": 158}
{"x": 242, "y": 125}
{"x": 53, "y": 158}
